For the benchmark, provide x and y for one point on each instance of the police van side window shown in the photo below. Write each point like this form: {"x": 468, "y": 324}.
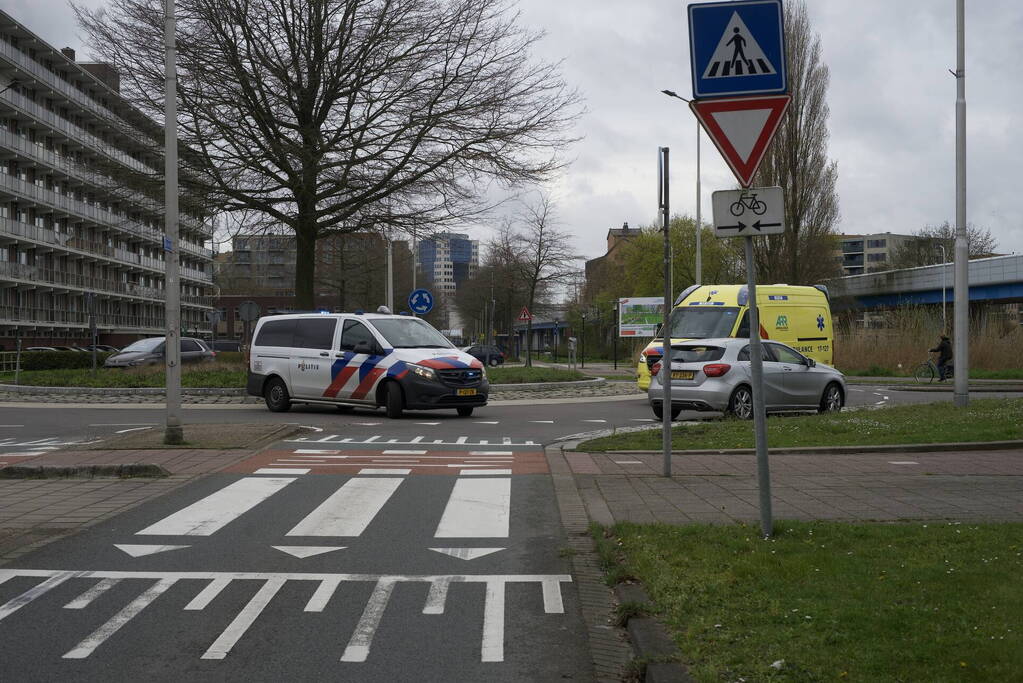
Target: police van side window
{"x": 355, "y": 332}
{"x": 315, "y": 333}
{"x": 276, "y": 333}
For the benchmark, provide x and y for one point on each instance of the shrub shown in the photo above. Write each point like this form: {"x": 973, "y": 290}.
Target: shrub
{"x": 230, "y": 357}
{"x": 59, "y": 360}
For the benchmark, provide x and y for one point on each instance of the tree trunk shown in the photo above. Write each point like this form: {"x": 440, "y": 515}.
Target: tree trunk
{"x": 305, "y": 263}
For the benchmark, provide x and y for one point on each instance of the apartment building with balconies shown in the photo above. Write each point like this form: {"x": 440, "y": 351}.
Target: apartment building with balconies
{"x": 861, "y": 254}
{"x": 75, "y": 239}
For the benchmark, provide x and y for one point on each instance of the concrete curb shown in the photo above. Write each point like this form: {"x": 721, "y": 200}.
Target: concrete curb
{"x": 846, "y": 450}
{"x": 82, "y": 471}
{"x": 232, "y": 391}
{"x": 651, "y": 644}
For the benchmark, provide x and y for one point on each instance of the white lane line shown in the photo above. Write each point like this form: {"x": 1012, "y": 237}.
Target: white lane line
{"x": 477, "y": 508}
{"x": 487, "y": 422}
{"x": 643, "y": 419}
{"x": 491, "y": 452}
{"x": 324, "y": 592}
{"x": 132, "y": 429}
{"x": 359, "y": 644}
{"x": 124, "y": 424}
{"x": 18, "y": 425}
{"x": 370, "y": 439}
{"x": 542, "y": 422}
{"x": 416, "y": 439}
{"x": 367, "y": 424}
{"x": 431, "y": 424}
{"x": 902, "y": 462}
{"x": 237, "y": 628}
{"x": 350, "y": 509}
{"x": 492, "y": 647}
{"x": 282, "y": 470}
{"x": 552, "y": 603}
{"x": 628, "y": 462}
{"x": 437, "y": 596}
{"x": 207, "y": 594}
{"x": 594, "y": 420}
{"x": 401, "y": 452}
{"x": 461, "y": 439}
{"x": 86, "y": 598}
{"x": 483, "y": 472}
{"x": 100, "y": 635}
{"x": 316, "y": 451}
{"x": 392, "y": 441}
{"x": 393, "y": 470}
{"x": 206, "y": 516}
{"x": 16, "y": 603}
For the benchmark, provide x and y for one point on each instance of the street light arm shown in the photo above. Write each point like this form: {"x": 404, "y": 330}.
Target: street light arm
{"x": 672, "y": 93}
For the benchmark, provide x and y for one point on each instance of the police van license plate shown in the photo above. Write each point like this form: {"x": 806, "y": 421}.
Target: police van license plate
{"x": 466, "y": 392}
{"x": 683, "y": 374}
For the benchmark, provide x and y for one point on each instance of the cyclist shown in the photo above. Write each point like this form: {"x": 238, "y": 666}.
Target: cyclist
{"x": 944, "y": 351}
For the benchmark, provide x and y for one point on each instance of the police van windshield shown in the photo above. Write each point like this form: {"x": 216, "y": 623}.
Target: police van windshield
{"x": 703, "y": 322}
{"x": 411, "y": 333}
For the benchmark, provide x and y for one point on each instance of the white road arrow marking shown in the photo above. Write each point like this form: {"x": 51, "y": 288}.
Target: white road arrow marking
{"x": 140, "y": 550}
{"x": 304, "y": 551}
{"x": 466, "y": 553}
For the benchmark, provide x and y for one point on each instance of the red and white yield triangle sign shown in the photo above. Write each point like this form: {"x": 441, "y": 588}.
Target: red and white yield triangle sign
{"x": 742, "y": 128}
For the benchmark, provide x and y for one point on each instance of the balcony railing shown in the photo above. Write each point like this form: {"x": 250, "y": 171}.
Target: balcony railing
{"x": 21, "y": 315}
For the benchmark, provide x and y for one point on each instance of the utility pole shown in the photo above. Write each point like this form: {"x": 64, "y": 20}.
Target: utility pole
{"x": 699, "y": 223}
{"x": 390, "y": 274}
{"x": 173, "y": 432}
{"x": 663, "y": 187}
{"x": 961, "y": 300}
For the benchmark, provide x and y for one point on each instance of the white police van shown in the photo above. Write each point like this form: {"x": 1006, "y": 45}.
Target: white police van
{"x": 362, "y": 359}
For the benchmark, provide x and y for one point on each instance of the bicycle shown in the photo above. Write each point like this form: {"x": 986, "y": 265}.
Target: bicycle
{"x": 748, "y": 201}
{"x": 928, "y": 371}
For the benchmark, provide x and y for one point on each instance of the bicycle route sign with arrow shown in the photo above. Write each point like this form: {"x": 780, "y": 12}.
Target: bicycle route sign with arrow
{"x": 749, "y": 212}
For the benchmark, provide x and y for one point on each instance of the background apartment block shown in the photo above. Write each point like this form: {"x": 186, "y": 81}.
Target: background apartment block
{"x": 867, "y": 253}
{"x": 68, "y": 228}
{"x": 447, "y": 260}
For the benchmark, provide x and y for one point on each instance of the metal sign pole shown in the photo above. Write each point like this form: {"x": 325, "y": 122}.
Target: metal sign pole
{"x": 666, "y": 325}
{"x": 961, "y": 256}
{"x": 759, "y": 408}
{"x": 173, "y": 433}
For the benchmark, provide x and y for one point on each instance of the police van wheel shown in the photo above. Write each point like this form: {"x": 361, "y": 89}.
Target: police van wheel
{"x": 275, "y": 393}
{"x": 464, "y": 411}
{"x": 394, "y": 402}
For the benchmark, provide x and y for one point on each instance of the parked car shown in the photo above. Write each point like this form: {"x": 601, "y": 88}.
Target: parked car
{"x": 40, "y": 348}
{"x": 227, "y": 345}
{"x": 486, "y": 353}
{"x": 101, "y": 348}
{"x": 150, "y": 352}
{"x": 714, "y": 374}
{"x": 362, "y": 359}
{"x": 67, "y": 348}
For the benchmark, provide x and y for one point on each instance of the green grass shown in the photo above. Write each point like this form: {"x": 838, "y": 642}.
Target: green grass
{"x": 524, "y": 375}
{"x": 878, "y": 371}
{"x": 207, "y": 375}
{"x": 858, "y": 602}
{"x": 990, "y": 419}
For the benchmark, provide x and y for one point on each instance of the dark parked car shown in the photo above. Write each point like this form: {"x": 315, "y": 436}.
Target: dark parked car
{"x": 150, "y": 352}
{"x": 486, "y": 354}
{"x": 227, "y": 345}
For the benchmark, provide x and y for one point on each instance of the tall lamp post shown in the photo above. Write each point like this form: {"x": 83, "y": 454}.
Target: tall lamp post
{"x": 173, "y": 432}
{"x": 699, "y": 247}
{"x": 582, "y": 340}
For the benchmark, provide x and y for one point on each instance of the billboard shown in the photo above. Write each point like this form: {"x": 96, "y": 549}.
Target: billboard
{"x": 640, "y": 316}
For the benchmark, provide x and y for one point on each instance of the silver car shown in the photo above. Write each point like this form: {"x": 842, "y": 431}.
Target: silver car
{"x": 150, "y": 352}
{"x": 714, "y": 374}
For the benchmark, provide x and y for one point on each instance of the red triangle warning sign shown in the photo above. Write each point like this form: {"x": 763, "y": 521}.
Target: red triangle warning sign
{"x": 524, "y": 315}
{"x": 742, "y": 128}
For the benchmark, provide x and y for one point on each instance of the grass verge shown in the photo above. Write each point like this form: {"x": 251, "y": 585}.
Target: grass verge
{"x": 878, "y": 371}
{"x": 833, "y": 601}
{"x": 206, "y": 375}
{"x": 993, "y": 419}
{"x": 523, "y": 375}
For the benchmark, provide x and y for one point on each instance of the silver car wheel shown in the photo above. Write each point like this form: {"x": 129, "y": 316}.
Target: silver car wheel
{"x": 741, "y": 404}
{"x": 831, "y": 402}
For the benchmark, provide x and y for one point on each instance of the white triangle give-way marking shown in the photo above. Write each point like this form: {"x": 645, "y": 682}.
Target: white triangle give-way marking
{"x": 743, "y": 129}
{"x": 140, "y": 550}
{"x": 304, "y": 551}
{"x": 466, "y": 553}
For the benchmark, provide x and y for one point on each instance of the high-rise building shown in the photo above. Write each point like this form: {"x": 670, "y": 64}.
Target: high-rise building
{"x": 448, "y": 259}
{"x": 75, "y": 238}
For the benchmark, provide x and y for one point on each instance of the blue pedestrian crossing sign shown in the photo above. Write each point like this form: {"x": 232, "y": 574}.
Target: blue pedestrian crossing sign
{"x": 420, "y": 302}
{"x": 737, "y": 48}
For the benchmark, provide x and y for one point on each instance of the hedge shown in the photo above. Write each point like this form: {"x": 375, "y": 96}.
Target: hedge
{"x": 60, "y": 360}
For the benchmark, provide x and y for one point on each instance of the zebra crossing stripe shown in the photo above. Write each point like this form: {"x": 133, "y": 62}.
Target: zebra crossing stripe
{"x": 100, "y": 635}
{"x": 350, "y": 509}
{"x": 216, "y": 510}
{"x": 477, "y": 508}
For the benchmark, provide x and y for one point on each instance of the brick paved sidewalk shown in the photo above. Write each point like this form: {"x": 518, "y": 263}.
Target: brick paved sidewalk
{"x": 955, "y": 485}
{"x": 37, "y": 511}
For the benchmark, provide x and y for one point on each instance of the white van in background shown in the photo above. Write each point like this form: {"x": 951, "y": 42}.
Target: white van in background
{"x": 356, "y": 359}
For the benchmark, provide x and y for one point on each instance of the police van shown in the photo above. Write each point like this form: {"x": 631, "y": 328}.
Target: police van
{"x": 362, "y": 359}
{"x": 794, "y": 315}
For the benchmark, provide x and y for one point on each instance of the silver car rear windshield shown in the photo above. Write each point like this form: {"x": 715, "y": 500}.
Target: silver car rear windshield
{"x": 703, "y": 322}
{"x": 411, "y": 333}
{"x": 144, "y": 345}
{"x": 696, "y": 354}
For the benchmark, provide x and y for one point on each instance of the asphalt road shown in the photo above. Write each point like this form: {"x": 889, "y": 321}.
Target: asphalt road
{"x": 26, "y": 426}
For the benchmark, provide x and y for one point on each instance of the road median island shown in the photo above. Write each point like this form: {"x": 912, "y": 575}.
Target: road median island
{"x": 985, "y": 420}
{"x": 198, "y": 436}
{"x": 825, "y": 600}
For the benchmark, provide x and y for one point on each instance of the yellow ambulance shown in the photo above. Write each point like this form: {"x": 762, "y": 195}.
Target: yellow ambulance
{"x": 794, "y": 315}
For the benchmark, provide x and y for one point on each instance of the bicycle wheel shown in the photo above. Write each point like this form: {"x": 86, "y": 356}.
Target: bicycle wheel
{"x": 758, "y": 207}
{"x": 925, "y": 373}
{"x": 737, "y": 208}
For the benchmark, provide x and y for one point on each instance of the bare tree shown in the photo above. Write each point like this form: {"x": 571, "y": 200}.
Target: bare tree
{"x": 332, "y": 116}
{"x": 798, "y": 161}
{"x": 539, "y": 257}
{"x": 925, "y": 250}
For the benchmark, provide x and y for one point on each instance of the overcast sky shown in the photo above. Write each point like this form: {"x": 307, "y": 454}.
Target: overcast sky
{"x": 892, "y": 102}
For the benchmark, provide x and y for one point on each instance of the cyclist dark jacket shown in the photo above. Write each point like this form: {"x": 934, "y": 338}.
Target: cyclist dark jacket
{"x": 944, "y": 351}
